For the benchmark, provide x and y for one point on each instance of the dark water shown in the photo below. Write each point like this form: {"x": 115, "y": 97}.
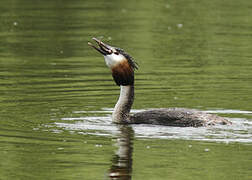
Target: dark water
{"x": 56, "y": 94}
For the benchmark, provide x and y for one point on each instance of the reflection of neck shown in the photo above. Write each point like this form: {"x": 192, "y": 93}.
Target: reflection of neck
{"x": 121, "y": 167}
{"x": 123, "y": 105}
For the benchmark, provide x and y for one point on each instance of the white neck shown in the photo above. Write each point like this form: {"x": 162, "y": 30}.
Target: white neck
{"x": 123, "y": 105}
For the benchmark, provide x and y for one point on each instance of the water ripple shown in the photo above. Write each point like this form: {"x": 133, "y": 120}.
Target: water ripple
{"x": 93, "y": 123}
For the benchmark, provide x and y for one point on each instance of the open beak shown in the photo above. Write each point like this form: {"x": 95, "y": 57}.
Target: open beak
{"x": 102, "y": 47}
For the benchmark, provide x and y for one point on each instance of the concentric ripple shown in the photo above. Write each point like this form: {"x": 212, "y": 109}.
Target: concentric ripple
{"x": 239, "y": 131}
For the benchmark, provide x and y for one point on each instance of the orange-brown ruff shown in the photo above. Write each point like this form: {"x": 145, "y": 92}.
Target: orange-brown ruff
{"x": 123, "y": 73}
{"x": 122, "y": 66}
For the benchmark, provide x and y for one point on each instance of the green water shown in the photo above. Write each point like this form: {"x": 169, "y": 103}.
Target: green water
{"x": 56, "y": 93}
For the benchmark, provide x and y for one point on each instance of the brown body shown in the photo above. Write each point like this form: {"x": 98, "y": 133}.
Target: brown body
{"x": 181, "y": 117}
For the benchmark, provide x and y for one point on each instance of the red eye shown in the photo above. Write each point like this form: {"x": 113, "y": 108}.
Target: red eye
{"x": 116, "y": 53}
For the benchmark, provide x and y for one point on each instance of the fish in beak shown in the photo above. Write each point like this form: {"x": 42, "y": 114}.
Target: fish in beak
{"x": 103, "y": 48}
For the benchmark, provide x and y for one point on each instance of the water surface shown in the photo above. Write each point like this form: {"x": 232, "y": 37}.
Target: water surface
{"x": 57, "y": 94}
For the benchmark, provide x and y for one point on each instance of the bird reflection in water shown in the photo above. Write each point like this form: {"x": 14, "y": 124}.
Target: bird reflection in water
{"x": 121, "y": 167}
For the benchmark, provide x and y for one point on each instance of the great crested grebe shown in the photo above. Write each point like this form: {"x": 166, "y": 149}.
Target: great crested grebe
{"x": 122, "y": 67}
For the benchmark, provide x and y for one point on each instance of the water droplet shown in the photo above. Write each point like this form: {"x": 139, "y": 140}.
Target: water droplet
{"x": 179, "y": 25}
{"x": 207, "y": 150}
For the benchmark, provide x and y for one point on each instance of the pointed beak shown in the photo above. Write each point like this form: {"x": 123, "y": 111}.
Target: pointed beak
{"x": 103, "y": 48}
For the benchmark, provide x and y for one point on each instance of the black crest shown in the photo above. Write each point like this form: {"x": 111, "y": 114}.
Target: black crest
{"x": 130, "y": 59}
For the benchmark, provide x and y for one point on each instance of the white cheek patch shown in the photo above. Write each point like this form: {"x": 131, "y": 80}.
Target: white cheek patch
{"x": 113, "y": 59}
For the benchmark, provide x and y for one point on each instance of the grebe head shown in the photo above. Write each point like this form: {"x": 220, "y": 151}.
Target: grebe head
{"x": 121, "y": 64}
